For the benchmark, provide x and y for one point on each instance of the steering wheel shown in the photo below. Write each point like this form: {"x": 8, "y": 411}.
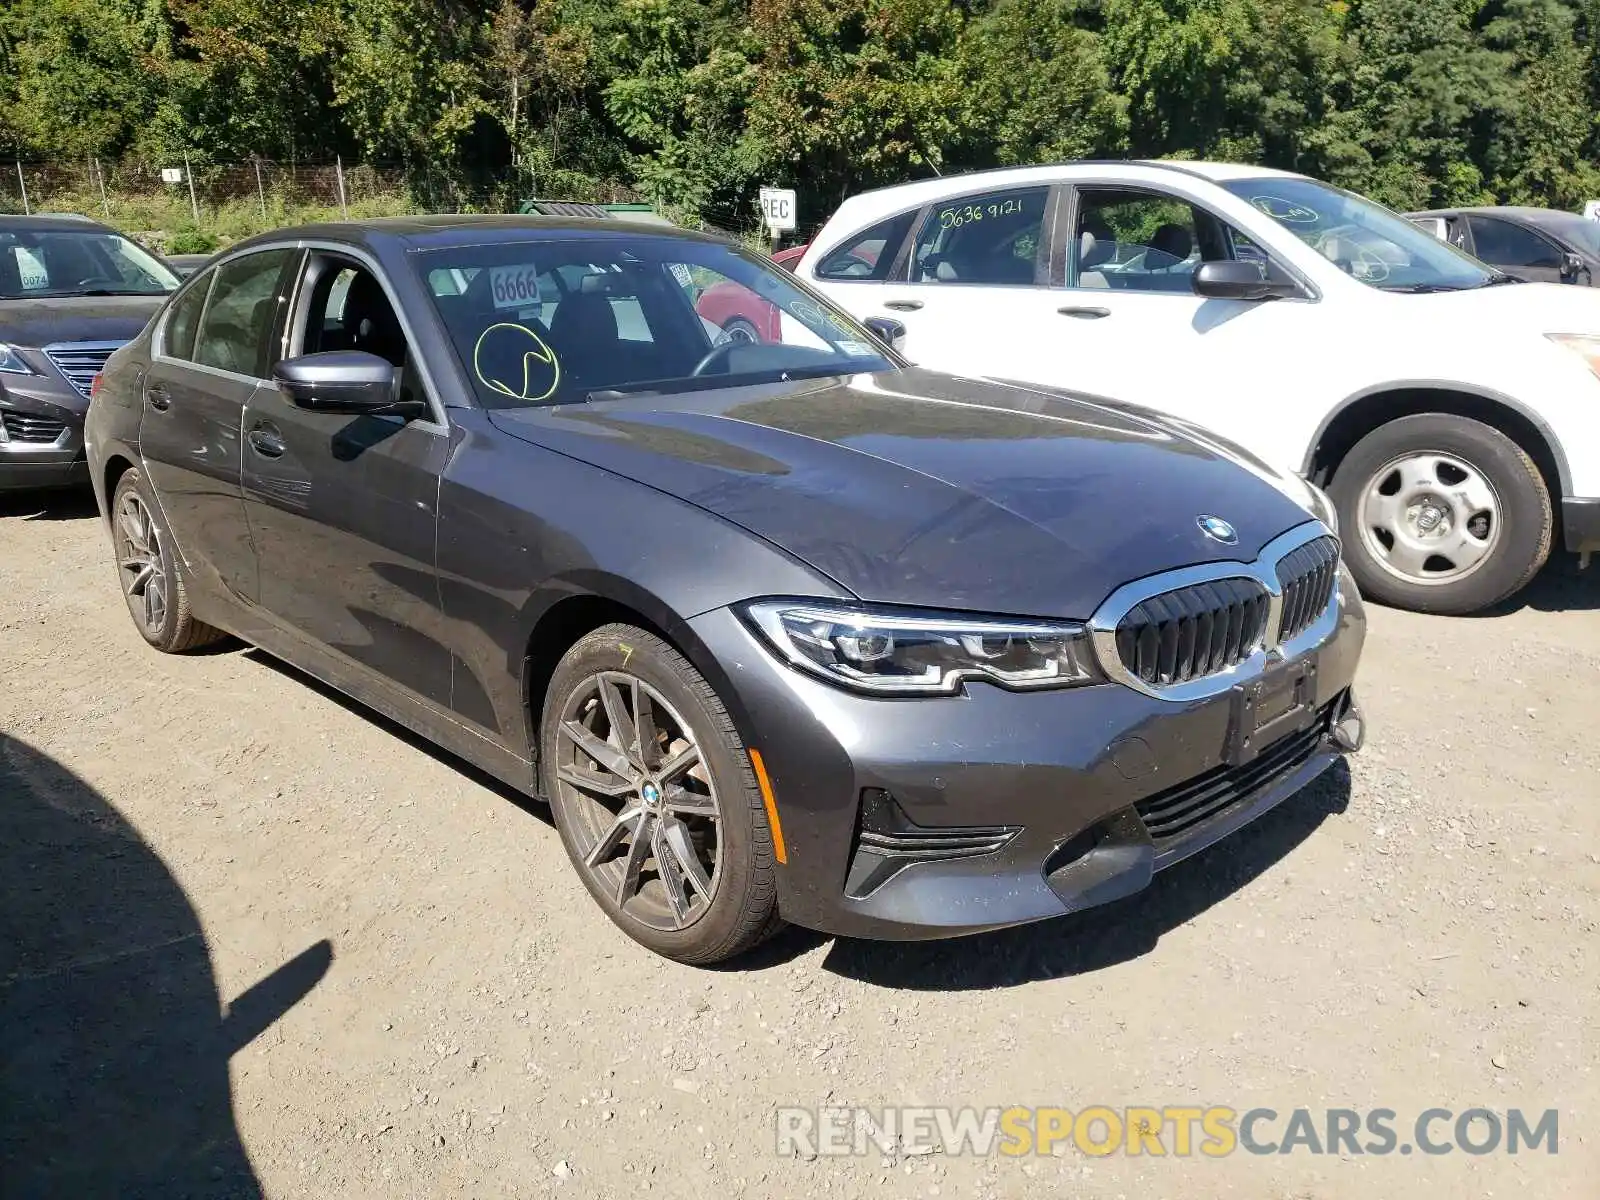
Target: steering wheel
{"x": 717, "y": 354}
{"x": 91, "y": 279}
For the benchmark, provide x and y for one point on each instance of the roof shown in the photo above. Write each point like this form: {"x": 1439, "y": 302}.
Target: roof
{"x": 50, "y": 221}
{"x": 430, "y": 231}
{"x": 1549, "y": 218}
{"x": 1045, "y": 172}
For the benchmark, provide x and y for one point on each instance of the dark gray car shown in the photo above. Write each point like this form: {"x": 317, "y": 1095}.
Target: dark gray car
{"x": 71, "y": 292}
{"x": 782, "y": 629}
{"x": 1537, "y": 245}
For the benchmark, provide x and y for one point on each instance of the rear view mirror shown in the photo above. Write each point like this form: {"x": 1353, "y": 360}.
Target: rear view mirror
{"x": 1235, "y": 280}
{"x": 887, "y": 330}
{"x": 342, "y": 381}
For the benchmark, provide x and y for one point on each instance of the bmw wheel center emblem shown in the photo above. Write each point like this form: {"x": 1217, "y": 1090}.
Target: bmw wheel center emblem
{"x": 1217, "y": 530}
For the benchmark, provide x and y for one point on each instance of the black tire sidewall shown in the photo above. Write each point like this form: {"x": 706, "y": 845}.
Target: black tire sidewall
{"x": 1526, "y": 520}
{"x": 132, "y": 480}
{"x": 743, "y": 837}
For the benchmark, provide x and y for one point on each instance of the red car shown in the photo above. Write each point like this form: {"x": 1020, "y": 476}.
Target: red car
{"x": 739, "y": 312}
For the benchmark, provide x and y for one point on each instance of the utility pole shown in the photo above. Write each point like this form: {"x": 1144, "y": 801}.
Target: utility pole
{"x": 23, "y": 184}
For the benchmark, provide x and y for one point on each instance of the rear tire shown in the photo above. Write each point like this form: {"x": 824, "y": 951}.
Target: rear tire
{"x": 661, "y": 816}
{"x": 1442, "y": 514}
{"x": 150, "y": 573}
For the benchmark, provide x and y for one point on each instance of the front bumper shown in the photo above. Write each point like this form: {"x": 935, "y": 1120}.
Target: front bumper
{"x": 1580, "y": 524}
{"x": 926, "y": 818}
{"x": 43, "y": 444}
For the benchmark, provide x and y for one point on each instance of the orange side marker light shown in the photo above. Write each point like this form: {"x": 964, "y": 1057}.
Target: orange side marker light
{"x": 779, "y": 851}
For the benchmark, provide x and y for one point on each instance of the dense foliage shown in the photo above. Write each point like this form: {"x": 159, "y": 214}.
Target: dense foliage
{"x": 695, "y": 102}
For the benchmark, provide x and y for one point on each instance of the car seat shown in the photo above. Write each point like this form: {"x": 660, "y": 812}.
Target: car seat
{"x": 1097, "y": 245}
{"x": 1173, "y": 243}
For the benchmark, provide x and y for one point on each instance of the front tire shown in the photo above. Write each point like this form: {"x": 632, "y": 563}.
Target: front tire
{"x": 1442, "y": 514}
{"x": 655, "y": 798}
{"x": 150, "y": 573}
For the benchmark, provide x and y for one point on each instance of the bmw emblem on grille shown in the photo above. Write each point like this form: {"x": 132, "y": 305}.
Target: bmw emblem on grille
{"x": 1217, "y": 530}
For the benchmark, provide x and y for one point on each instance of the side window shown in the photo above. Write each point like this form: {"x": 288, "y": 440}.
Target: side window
{"x": 991, "y": 238}
{"x": 183, "y": 319}
{"x": 870, "y": 254}
{"x": 1138, "y": 241}
{"x": 238, "y": 319}
{"x": 1507, "y": 245}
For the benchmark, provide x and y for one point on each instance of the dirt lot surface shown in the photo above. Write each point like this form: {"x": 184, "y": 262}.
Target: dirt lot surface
{"x": 222, "y": 884}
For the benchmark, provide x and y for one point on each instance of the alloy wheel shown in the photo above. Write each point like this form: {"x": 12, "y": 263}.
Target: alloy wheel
{"x": 144, "y": 582}
{"x": 1430, "y": 517}
{"x": 632, "y": 775}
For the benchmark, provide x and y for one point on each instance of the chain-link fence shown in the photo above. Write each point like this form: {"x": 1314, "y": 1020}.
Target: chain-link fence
{"x": 97, "y": 187}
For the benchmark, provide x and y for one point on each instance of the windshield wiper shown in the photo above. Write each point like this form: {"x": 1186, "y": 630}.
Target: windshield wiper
{"x": 67, "y": 294}
{"x": 1421, "y": 289}
{"x": 1499, "y": 277}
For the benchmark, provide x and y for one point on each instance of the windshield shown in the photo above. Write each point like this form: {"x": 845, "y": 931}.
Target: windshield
{"x": 72, "y": 262}
{"x": 1580, "y": 231}
{"x": 1363, "y": 239}
{"x": 555, "y": 322}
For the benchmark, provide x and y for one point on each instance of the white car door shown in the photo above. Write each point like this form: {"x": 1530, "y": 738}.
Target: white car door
{"x": 972, "y": 280}
{"x": 1130, "y": 327}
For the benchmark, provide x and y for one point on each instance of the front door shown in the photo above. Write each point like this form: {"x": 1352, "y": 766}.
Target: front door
{"x": 210, "y": 355}
{"x": 342, "y": 508}
{"x": 1516, "y": 249}
{"x": 1129, "y": 326}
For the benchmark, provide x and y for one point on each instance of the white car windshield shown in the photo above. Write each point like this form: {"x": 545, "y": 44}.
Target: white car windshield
{"x": 1364, "y": 240}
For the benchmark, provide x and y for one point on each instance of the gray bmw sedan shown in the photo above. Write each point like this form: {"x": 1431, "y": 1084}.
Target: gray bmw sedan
{"x": 783, "y": 628}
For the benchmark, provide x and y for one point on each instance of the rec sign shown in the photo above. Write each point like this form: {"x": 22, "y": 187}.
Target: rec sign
{"x": 778, "y": 209}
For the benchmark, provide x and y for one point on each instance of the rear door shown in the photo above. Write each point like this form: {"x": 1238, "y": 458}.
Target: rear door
{"x": 973, "y": 275}
{"x": 343, "y": 509}
{"x": 210, "y": 355}
{"x": 1515, "y": 249}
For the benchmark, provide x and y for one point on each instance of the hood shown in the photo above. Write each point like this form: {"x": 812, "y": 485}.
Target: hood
{"x": 909, "y": 487}
{"x": 1533, "y": 307}
{"x": 38, "y": 322}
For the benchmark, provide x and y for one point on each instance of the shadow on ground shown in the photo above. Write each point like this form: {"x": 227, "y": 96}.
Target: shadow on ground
{"x": 1561, "y": 587}
{"x": 74, "y": 504}
{"x": 529, "y": 805}
{"x": 1101, "y": 937}
{"x": 114, "y": 1045}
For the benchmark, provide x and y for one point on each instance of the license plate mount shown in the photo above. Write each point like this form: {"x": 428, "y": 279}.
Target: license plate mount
{"x": 1282, "y": 701}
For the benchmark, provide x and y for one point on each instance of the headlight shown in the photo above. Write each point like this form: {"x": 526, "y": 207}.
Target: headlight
{"x": 1322, "y": 506}
{"x": 897, "y": 653}
{"x": 11, "y": 362}
{"x": 1584, "y": 345}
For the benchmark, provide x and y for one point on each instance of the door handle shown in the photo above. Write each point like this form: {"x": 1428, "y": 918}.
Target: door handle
{"x": 266, "y": 441}
{"x": 159, "y": 399}
{"x": 903, "y": 305}
{"x": 1084, "y": 314}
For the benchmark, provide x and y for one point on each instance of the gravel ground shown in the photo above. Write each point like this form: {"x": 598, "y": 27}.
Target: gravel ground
{"x": 222, "y": 880}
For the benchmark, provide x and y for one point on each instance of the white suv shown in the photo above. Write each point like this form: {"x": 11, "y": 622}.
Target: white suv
{"x": 1454, "y": 421}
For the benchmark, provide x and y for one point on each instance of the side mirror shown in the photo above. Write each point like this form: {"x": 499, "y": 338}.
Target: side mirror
{"x": 1571, "y": 266}
{"x": 342, "y": 381}
{"x": 887, "y": 330}
{"x": 1235, "y": 280}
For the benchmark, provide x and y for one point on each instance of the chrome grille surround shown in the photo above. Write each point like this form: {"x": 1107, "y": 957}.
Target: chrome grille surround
{"x": 80, "y": 362}
{"x": 1272, "y": 647}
